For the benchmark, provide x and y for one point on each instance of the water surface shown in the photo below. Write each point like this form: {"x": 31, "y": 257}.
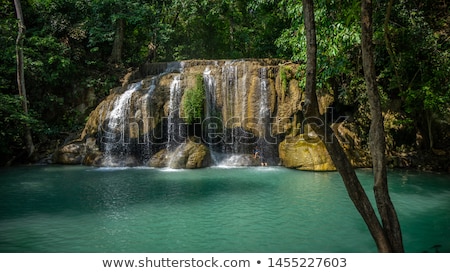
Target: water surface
{"x": 262, "y": 209}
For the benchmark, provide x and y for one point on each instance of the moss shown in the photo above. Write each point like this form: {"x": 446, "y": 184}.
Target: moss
{"x": 193, "y": 101}
{"x": 284, "y": 81}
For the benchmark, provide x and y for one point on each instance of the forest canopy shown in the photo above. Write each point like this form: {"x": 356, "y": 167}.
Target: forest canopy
{"x": 76, "y": 50}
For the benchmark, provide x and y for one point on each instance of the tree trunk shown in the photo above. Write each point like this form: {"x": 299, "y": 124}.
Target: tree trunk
{"x": 116, "y": 54}
{"x": 376, "y": 135}
{"x": 429, "y": 119}
{"x": 343, "y": 165}
{"x": 21, "y": 76}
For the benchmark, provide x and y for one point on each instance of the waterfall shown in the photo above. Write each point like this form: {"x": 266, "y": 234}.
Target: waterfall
{"x": 263, "y": 103}
{"x": 234, "y": 93}
{"x": 263, "y": 116}
{"x": 174, "y": 133}
{"x": 115, "y": 140}
{"x": 234, "y": 96}
{"x": 145, "y": 127}
{"x": 141, "y": 122}
{"x": 212, "y": 122}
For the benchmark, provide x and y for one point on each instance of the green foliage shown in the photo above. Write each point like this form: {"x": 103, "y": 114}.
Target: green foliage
{"x": 224, "y": 29}
{"x": 338, "y": 36}
{"x": 68, "y": 44}
{"x": 13, "y": 122}
{"x": 418, "y": 34}
{"x": 194, "y": 102}
{"x": 420, "y": 62}
{"x": 284, "y": 80}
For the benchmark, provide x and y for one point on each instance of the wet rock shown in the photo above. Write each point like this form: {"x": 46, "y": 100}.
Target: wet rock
{"x": 70, "y": 154}
{"x": 188, "y": 155}
{"x": 159, "y": 160}
{"x": 93, "y": 159}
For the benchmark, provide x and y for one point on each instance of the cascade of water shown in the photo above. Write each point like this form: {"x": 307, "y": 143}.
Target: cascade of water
{"x": 228, "y": 83}
{"x": 263, "y": 103}
{"x": 263, "y": 115}
{"x": 234, "y": 92}
{"x": 142, "y": 119}
{"x": 115, "y": 141}
{"x": 243, "y": 93}
{"x": 233, "y": 95}
{"x": 237, "y": 114}
{"x": 212, "y": 122}
{"x": 241, "y": 112}
{"x": 228, "y": 72}
{"x": 174, "y": 134}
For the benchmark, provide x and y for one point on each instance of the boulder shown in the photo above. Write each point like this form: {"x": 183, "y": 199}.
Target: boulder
{"x": 189, "y": 155}
{"x": 303, "y": 153}
{"x": 71, "y": 154}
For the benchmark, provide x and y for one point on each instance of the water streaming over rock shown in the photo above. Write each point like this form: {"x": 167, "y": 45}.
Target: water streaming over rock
{"x": 211, "y": 123}
{"x": 174, "y": 132}
{"x": 246, "y": 103}
{"x": 116, "y": 140}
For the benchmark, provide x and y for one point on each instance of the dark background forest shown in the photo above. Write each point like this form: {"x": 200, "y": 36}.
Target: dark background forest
{"x": 75, "y": 51}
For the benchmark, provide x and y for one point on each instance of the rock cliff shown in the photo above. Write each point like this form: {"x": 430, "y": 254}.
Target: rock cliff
{"x": 247, "y": 103}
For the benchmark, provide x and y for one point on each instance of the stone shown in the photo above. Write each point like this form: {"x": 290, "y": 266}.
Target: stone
{"x": 93, "y": 159}
{"x": 158, "y": 160}
{"x": 305, "y": 154}
{"x": 71, "y": 154}
{"x": 189, "y": 155}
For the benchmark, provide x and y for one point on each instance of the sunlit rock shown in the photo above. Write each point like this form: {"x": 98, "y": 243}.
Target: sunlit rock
{"x": 304, "y": 153}
{"x": 189, "y": 155}
{"x": 248, "y": 103}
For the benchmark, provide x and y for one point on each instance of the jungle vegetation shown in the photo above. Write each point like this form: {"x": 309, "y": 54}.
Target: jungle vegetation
{"x": 75, "y": 51}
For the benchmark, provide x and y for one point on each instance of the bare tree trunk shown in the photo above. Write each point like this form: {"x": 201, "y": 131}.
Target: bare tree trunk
{"x": 343, "y": 165}
{"x": 116, "y": 54}
{"x": 429, "y": 119}
{"x": 21, "y": 76}
{"x": 376, "y": 135}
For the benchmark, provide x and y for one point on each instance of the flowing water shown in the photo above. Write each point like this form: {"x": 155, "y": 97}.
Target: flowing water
{"x": 117, "y": 122}
{"x": 173, "y": 126}
{"x": 260, "y": 209}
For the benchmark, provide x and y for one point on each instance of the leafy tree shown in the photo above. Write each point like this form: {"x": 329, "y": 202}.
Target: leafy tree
{"x": 225, "y": 29}
{"x": 338, "y": 37}
{"x": 76, "y": 45}
{"x": 14, "y": 122}
{"x": 418, "y": 71}
{"x": 385, "y": 242}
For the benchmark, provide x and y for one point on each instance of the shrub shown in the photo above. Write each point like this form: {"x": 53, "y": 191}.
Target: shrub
{"x": 193, "y": 101}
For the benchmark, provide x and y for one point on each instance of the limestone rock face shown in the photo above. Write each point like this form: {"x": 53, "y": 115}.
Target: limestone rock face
{"x": 248, "y": 103}
{"x": 246, "y": 99}
{"x": 305, "y": 154}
